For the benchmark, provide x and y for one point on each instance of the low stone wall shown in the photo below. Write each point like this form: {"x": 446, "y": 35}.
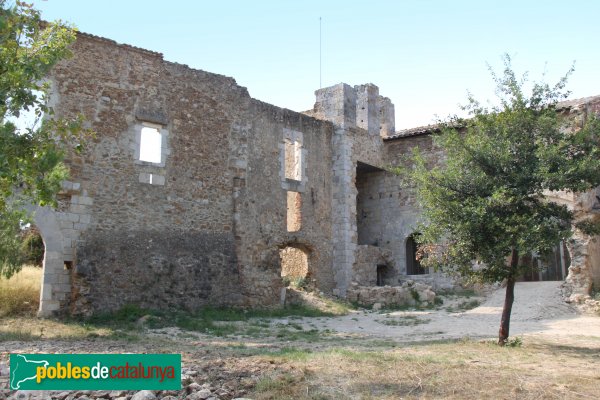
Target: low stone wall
{"x": 410, "y": 293}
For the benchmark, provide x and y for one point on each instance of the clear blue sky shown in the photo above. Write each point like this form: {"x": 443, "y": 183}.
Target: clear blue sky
{"x": 424, "y": 55}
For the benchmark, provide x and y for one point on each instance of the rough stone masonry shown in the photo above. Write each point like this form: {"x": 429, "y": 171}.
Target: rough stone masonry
{"x": 193, "y": 193}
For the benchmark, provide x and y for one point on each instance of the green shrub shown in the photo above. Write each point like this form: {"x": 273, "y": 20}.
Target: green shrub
{"x": 32, "y": 247}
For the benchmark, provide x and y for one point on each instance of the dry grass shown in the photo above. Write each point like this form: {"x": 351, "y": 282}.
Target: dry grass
{"x": 20, "y": 295}
{"x": 33, "y": 329}
{"x": 317, "y": 368}
{"x": 459, "y": 370}
{"x": 543, "y": 367}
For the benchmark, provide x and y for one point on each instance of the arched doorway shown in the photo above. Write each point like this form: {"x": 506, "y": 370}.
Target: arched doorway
{"x": 56, "y": 280}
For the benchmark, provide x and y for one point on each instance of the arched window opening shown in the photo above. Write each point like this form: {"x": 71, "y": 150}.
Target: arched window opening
{"x": 294, "y": 265}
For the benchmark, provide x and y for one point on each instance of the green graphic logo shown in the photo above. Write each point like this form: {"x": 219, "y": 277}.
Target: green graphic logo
{"x": 95, "y": 371}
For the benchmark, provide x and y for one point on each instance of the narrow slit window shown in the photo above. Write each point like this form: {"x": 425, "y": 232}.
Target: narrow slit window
{"x": 294, "y": 211}
{"x": 150, "y": 145}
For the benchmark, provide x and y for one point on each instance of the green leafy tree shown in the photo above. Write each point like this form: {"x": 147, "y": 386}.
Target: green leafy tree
{"x": 31, "y": 167}
{"x": 484, "y": 205}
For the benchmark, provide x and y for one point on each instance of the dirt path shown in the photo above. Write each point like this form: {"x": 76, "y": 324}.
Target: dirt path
{"x": 538, "y": 310}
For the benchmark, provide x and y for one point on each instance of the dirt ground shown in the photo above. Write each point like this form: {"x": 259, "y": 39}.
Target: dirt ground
{"x": 538, "y": 310}
{"x": 447, "y": 352}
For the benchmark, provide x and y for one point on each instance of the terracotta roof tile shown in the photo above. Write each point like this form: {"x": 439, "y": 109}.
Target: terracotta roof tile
{"x": 429, "y": 129}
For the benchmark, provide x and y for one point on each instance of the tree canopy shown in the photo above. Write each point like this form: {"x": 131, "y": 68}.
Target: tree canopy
{"x": 31, "y": 167}
{"x": 483, "y": 205}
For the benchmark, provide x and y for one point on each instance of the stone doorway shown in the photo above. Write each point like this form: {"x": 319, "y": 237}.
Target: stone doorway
{"x": 56, "y": 277}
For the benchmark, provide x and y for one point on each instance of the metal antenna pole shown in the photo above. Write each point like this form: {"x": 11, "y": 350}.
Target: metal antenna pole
{"x": 320, "y": 56}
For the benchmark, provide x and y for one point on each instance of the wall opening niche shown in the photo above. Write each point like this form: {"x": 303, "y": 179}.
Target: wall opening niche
{"x": 294, "y": 264}
{"x": 294, "y": 211}
{"x": 383, "y": 274}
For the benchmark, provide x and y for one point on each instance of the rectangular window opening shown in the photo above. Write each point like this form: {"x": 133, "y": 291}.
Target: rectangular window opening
{"x": 293, "y": 160}
{"x": 294, "y": 211}
{"x": 150, "y": 145}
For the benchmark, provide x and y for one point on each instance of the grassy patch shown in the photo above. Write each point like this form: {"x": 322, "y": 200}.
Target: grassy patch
{"x": 311, "y": 335}
{"x": 280, "y": 384}
{"x": 18, "y": 335}
{"x": 462, "y": 369}
{"x": 281, "y": 354}
{"x": 406, "y": 320}
{"x": 20, "y": 295}
{"x": 333, "y": 309}
{"x": 32, "y": 328}
{"x": 297, "y": 282}
{"x": 406, "y": 307}
{"x": 212, "y": 321}
{"x": 464, "y": 306}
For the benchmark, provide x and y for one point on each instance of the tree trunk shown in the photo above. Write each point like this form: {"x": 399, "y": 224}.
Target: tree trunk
{"x": 508, "y": 299}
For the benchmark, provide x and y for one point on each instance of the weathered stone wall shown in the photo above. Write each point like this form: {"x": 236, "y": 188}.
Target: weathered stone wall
{"x": 387, "y": 212}
{"x": 261, "y": 200}
{"x": 169, "y": 243}
{"x": 368, "y": 259}
{"x": 204, "y": 225}
{"x": 236, "y": 181}
{"x": 378, "y": 206}
{"x": 396, "y": 220}
{"x": 360, "y": 116}
{"x": 390, "y": 202}
{"x": 594, "y": 253}
{"x": 584, "y": 250}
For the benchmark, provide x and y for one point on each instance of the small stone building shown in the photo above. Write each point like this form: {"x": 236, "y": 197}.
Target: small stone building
{"x": 193, "y": 193}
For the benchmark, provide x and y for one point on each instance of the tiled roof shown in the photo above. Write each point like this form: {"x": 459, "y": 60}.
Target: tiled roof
{"x": 429, "y": 129}
{"x": 577, "y": 102}
{"x": 420, "y": 130}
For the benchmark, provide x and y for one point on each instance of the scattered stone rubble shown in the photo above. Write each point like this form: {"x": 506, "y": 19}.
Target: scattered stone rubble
{"x": 196, "y": 393}
{"x": 410, "y": 294}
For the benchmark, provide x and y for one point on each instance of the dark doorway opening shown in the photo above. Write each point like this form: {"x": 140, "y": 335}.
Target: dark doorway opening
{"x": 382, "y": 272}
{"x": 549, "y": 267}
{"x": 413, "y": 265}
{"x": 369, "y": 195}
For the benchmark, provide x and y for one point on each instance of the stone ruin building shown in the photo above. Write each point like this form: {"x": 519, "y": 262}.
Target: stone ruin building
{"x": 238, "y": 194}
